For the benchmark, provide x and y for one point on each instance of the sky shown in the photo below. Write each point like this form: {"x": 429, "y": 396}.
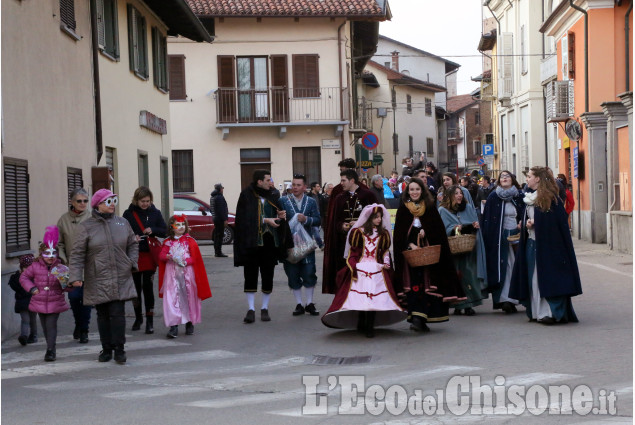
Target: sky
{"x": 447, "y": 28}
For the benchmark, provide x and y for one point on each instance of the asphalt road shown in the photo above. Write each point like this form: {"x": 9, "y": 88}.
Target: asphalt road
{"x": 232, "y": 373}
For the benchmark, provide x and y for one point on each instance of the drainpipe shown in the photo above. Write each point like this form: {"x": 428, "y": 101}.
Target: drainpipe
{"x": 339, "y": 61}
{"x": 586, "y": 97}
{"x": 544, "y": 97}
{"x": 628, "y": 47}
{"x": 97, "y": 93}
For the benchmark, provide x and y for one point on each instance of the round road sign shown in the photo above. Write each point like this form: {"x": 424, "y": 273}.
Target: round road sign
{"x": 370, "y": 141}
{"x": 480, "y": 162}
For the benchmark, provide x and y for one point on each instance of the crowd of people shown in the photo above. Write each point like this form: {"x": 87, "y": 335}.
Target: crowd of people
{"x": 468, "y": 240}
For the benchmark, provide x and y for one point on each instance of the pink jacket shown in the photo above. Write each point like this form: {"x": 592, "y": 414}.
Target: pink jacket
{"x": 51, "y": 298}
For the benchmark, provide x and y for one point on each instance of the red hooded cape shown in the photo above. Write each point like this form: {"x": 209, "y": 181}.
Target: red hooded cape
{"x": 202, "y": 284}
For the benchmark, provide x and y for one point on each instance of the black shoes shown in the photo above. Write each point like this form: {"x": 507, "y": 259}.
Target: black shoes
{"x": 174, "y": 331}
{"x": 509, "y": 308}
{"x": 458, "y": 312}
{"x": 547, "y": 321}
{"x": 299, "y": 310}
{"x": 221, "y": 255}
{"x": 250, "y": 317}
{"x": 120, "y": 355}
{"x": 150, "y": 323}
{"x": 22, "y": 339}
{"x": 76, "y": 332}
{"x": 310, "y": 308}
{"x": 264, "y": 315}
{"x": 105, "y": 356}
{"x": 419, "y": 325}
{"x": 49, "y": 356}
{"x": 31, "y": 339}
{"x": 189, "y": 328}
{"x": 138, "y": 321}
{"x": 83, "y": 337}
{"x": 469, "y": 311}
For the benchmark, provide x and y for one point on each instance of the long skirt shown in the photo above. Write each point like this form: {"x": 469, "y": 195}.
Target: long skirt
{"x": 181, "y": 303}
{"x": 422, "y": 299}
{"x": 370, "y": 292}
{"x": 467, "y": 267}
{"x": 508, "y": 257}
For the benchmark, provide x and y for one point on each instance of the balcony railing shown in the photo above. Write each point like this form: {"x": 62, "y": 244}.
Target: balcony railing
{"x": 455, "y": 133}
{"x": 364, "y": 119}
{"x": 549, "y": 68}
{"x": 281, "y": 105}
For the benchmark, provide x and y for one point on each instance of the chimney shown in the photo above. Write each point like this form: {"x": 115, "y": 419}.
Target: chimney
{"x": 395, "y": 60}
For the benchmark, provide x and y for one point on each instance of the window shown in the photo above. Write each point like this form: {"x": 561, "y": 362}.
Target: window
{"x": 182, "y": 204}
{"x": 144, "y": 179}
{"x": 307, "y": 161}
{"x": 177, "y": 77}
{"x": 253, "y": 93}
{"x": 110, "y": 163}
{"x": 387, "y": 65}
{"x": 411, "y": 147}
{"x": 183, "y": 171}
{"x": 409, "y": 104}
{"x": 430, "y": 146}
{"x": 67, "y": 15}
{"x": 159, "y": 59}
{"x": 17, "y": 227}
{"x": 73, "y": 179}
{"x": 137, "y": 43}
{"x": 107, "y": 27}
{"x": 251, "y": 160}
{"x": 306, "y": 76}
{"x": 428, "y": 103}
{"x": 477, "y": 118}
{"x": 513, "y": 140}
{"x": 523, "y": 50}
{"x": 477, "y": 147}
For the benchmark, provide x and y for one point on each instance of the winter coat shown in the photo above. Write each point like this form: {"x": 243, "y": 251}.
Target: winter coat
{"x": 150, "y": 217}
{"x": 218, "y": 204}
{"x": 105, "y": 253}
{"x": 67, "y": 225}
{"x": 22, "y": 297}
{"x": 51, "y": 298}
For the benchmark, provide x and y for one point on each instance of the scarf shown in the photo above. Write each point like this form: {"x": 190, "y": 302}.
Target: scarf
{"x": 415, "y": 209}
{"x": 105, "y": 216}
{"x": 460, "y": 207}
{"x": 506, "y": 194}
{"x": 530, "y": 198}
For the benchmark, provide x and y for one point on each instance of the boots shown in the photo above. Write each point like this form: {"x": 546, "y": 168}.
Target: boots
{"x": 150, "y": 322}
{"x": 120, "y": 355}
{"x": 138, "y": 317}
{"x": 173, "y": 332}
{"x": 370, "y": 324}
{"x": 83, "y": 336}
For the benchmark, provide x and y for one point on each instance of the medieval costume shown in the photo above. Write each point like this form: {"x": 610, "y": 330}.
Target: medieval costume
{"x": 365, "y": 281}
{"x": 343, "y": 208}
{"x": 429, "y": 289}
{"x": 471, "y": 265}
{"x": 503, "y": 210}
{"x": 546, "y": 272}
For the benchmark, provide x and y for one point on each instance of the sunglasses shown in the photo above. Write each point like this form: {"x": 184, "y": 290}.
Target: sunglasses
{"x": 505, "y": 176}
{"x": 81, "y": 201}
{"x": 111, "y": 201}
{"x": 298, "y": 176}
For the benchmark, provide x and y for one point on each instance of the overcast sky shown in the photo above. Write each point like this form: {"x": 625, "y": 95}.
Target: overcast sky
{"x": 452, "y": 30}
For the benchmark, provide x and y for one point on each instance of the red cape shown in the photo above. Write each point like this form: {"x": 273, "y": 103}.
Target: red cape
{"x": 202, "y": 284}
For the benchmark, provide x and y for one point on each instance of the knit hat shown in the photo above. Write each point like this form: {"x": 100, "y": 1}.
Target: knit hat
{"x": 218, "y": 186}
{"x": 26, "y": 260}
{"x": 100, "y": 196}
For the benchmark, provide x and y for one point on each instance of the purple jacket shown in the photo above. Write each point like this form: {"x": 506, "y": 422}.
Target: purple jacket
{"x": 50, "y": 300}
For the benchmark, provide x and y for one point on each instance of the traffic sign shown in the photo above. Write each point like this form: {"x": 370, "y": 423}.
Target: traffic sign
{"x": 575, "y": 162}
{"x": 370, "y": 141}
{"x": 481, "y": 172}
{"x": 488, "y": 149}
{"x": 378, "y": 159}
{"x": 480, "y": 162}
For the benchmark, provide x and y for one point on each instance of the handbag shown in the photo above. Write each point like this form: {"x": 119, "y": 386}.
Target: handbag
{"x": 153, "y": 243}
{"x": 424, "y": 256}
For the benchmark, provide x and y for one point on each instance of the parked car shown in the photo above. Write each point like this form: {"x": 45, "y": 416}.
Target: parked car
{"x": 199, "y": 216}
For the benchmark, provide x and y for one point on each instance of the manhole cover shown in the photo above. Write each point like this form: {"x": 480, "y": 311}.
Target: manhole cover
{"x": 328, "y": 360}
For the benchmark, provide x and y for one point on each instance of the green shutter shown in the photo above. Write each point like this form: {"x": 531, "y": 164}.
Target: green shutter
{"x": 131, "y": 37}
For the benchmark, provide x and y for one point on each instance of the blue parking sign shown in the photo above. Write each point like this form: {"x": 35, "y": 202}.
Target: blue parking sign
{"x": 488, "y": 149}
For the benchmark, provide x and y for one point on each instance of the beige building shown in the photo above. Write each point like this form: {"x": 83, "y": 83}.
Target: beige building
{"x": 271, "y": 92}
{"x": 74, "y": 104}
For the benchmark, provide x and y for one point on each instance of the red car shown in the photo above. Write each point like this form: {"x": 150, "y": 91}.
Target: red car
{"x": 200, "y": 218}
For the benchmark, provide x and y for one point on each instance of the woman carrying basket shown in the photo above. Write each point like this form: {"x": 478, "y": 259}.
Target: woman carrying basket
{"x": 431, "y": 287}
{"x": 459, "y": 217}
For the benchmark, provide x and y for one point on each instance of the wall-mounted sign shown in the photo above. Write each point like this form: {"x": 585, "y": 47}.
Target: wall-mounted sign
{"x": 152, "y": 122}
{"x": 331, "y": 144}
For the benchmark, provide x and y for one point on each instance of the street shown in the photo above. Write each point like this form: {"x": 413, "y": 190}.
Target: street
{"x": 232, "y": 373}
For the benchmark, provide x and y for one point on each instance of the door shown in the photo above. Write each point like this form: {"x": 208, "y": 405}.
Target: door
{"x": 253, "y": 96}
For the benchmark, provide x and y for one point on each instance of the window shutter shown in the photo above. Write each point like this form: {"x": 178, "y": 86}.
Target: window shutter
{"x": 143, "y": 46}
{"x": 16, "y": 207}
{"x": 177, "y": 77}
{"x": 571, "y": 59}
{"x": 74, "y": 180}
{"x": 132, "y": 38}
{"x": 306, "y": 80}
{"x": 280, "y": 91}
{"x": 226, "y": 89}
{"x": 67, "y": 14}
{"x": 101, "y": 24}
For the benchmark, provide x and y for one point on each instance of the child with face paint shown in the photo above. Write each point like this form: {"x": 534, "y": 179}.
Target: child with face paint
{"x": 183, "y": 282}
{"x": 47, "y": 294}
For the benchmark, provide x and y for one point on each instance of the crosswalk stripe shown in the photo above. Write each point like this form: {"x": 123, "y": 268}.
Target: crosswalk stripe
{"x": 72, "y": 385}
{"x": 76, "y": 366}
{"x": 153, "y": 392}
{"x": 84, "y": 349}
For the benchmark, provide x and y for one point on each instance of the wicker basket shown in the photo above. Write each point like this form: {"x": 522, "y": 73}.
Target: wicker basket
{"x": 424, "y": 256}
{"x": 460, "y": 244}
{"x": 514, "y": 238}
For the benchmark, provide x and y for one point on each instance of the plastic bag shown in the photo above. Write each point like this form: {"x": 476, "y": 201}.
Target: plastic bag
{"x": 303, "y": 243}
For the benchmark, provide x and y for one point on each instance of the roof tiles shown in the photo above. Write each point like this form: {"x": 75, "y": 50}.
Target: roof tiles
{"x": 288, "y": 8}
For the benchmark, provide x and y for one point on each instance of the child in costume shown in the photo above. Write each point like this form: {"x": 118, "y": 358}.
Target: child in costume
{"x": 366, "y": 297}
{"x": 183, "y": 280}
{"x": 46, "y": 280}
{"x": 28, "y": 326}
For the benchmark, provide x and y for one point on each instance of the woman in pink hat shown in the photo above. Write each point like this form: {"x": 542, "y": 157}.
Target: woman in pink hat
{"x": 104, "y": 255}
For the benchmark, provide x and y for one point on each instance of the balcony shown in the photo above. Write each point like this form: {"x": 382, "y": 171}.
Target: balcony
{"x": 455, "y": 135}
{"x": 549, "y": 68}
{"x": 364, "y": 120}
{"x": 281, "y": 107}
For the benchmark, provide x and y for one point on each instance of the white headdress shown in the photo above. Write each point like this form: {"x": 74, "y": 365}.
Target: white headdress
{"x": 364, "y": 216}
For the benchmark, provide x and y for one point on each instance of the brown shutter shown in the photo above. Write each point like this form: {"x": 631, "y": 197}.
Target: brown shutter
{"x": 226, "y": 89}
{"x": 306, "y": 81}
{"x": 279, "y": 89}
{"x": 74, "y": 179}
{"x": 16, "y": 207}
{"x": 571, "y": 47}
{"x": 177, "y": 77}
